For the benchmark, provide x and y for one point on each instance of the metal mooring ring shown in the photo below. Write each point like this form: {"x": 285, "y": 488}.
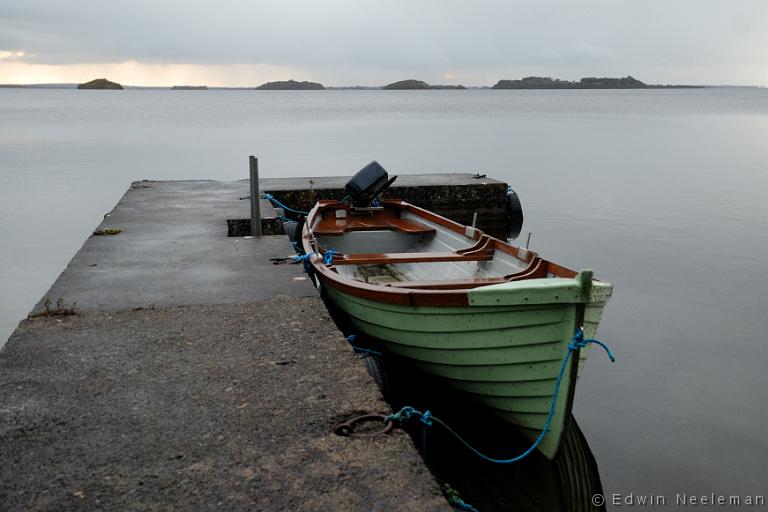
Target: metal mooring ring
{"x": 348, "y": 427}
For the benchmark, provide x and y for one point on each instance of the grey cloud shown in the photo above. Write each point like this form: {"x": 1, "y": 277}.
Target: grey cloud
{"x": 556, "y": 37}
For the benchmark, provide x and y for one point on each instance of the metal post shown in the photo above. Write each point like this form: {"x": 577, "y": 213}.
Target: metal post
{"x": 255, "y": 197}
{"x": 474, "y": 220}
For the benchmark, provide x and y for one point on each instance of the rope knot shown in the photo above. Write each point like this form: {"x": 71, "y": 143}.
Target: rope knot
{"x": 304, "y": 258}
{"x": 408, "y": 413}
{"x": 578, "y": 342}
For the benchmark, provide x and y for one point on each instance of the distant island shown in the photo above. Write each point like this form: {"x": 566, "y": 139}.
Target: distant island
{"x": 101, "y": 83}
{"x": 291, "y": 85}
{"x": 413, "y": 84}
{"x": 539, "y": 82}
{"x": 531, "y": 82}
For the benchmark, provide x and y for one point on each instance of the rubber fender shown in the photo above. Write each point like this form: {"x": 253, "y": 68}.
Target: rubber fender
{"x": 290, "y": 227}
{"x": 515, "y": 212}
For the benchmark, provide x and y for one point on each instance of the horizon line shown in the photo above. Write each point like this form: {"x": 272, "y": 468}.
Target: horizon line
{"x": 247, "y": 87}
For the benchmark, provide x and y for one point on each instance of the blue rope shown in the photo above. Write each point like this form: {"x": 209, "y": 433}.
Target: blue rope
{"x": 461, "y": 504}
{"x": 408, "y": 413}
{"x": 454, "y": 499}
{"x": 304, "y": 258}
{"x": 351, "y": 339}
{"x": 365, "y": 350}
{"x": 328, "y": 257}
{"x": 579, "y": 342}
{"x": 274, "y": 201}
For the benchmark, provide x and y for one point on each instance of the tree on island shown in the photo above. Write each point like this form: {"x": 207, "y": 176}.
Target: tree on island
{"x": 291, "y": 85}
{"x": 413, "y": 84}
{"x": 538, "y": 82}
{"x": 612, "y": 83}
{"x": 101, "y": 83}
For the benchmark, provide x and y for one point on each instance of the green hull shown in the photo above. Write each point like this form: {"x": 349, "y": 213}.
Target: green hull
{"x": 504, "y": 349}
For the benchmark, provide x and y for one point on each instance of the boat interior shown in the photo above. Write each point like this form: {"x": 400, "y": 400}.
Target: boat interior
{"x": 403, "y": 246}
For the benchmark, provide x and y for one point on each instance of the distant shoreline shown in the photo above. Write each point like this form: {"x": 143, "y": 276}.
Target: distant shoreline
{"x": 371, "y": 88}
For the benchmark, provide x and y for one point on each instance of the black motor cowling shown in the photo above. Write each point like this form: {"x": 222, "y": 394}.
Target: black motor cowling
{"x": 367, "y": 184}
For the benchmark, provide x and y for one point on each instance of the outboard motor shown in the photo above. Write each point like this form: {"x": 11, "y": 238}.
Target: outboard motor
{"x": 367, "y": 184}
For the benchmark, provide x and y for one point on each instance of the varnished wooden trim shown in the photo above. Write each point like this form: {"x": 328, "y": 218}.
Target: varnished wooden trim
{"x": 560, "y": 271}
{"x": 426, "y": 293}
{"x": 335, "y": 227}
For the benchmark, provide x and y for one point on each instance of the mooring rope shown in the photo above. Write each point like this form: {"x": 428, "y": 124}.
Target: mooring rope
{"x": 351, "y": 340}
{"x": 328, "y": 257}
{"x": 461, "y": 504}
{"x": 304, "y": 258}
{"x": 408, "y": 413}
{"x": 273, "y": 200}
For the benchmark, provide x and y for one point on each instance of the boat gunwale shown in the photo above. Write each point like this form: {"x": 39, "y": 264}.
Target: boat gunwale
{"x": 429, "y": 294}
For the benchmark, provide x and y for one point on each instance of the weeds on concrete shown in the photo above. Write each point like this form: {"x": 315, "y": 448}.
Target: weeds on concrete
{"x": 60, "y": 309}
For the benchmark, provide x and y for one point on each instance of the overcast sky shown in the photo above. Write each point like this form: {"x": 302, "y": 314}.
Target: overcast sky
{"x": 245, "y": 43}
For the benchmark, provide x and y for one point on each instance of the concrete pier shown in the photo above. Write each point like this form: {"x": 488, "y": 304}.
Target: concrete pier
{"x": 457, "y": 196}
{"x": 171, "y": 367}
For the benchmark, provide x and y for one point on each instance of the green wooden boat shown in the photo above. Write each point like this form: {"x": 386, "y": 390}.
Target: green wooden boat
{"x": 486, "y": 318}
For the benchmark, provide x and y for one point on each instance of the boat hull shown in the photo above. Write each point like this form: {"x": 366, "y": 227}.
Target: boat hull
{"x": 486, "y": 318}
{"x": 504, "y": 350}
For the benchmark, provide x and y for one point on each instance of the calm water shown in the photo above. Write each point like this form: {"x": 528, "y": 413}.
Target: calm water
{"x": 661, "y": 192}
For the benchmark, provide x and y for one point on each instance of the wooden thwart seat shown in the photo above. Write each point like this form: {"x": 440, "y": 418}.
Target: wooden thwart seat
{"x": 482, "y": 250}
{"x": 337, "y": 227}
{"x": 408, "y": 257}
{"x": 452, "y": 284}
{"x": 537, "y": 269}
{"x": 410, "y": 226}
